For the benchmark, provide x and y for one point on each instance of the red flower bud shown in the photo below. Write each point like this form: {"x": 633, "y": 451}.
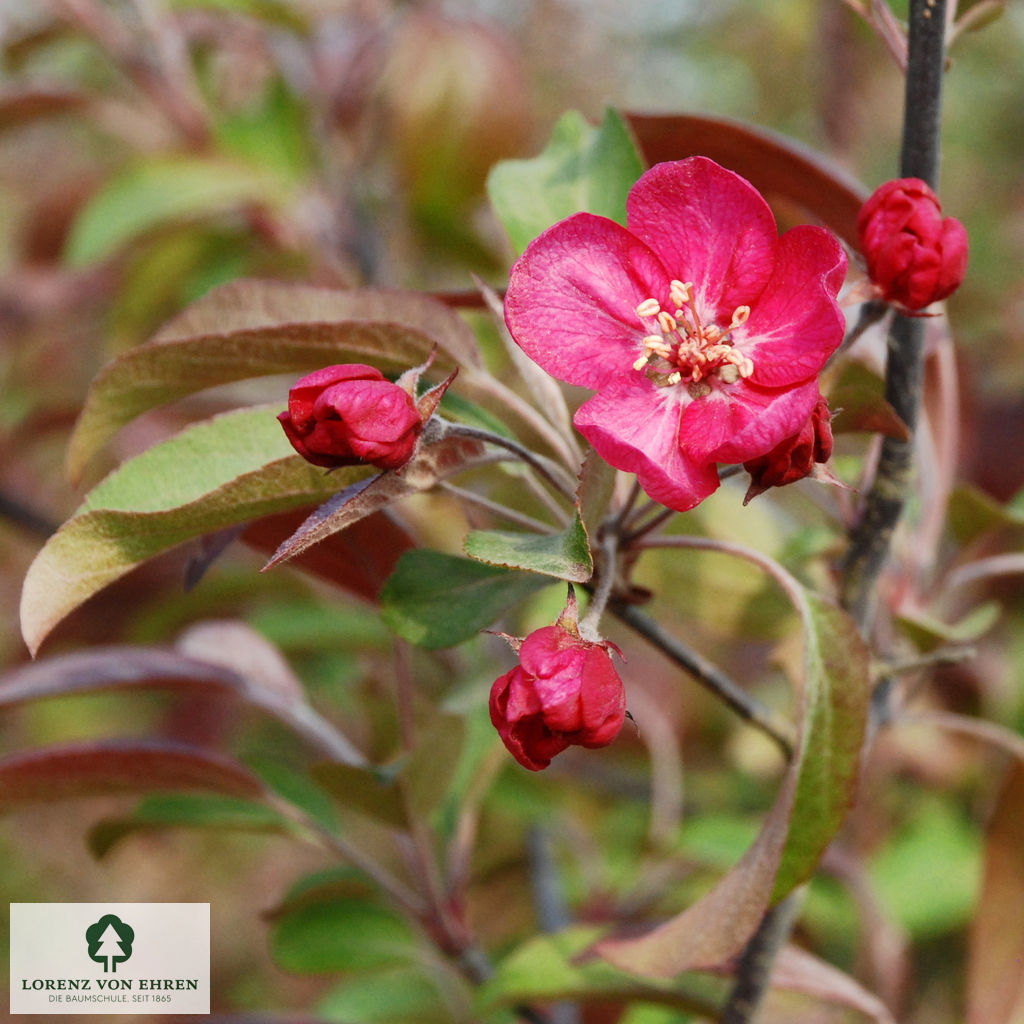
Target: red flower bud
{"x": 344, "y": 415}
{"x": 564, "y": 691}
{"x": 915, "y": 256}
{"x": 794, "y": 458}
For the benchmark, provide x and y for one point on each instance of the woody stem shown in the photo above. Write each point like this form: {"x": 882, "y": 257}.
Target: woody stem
{"x": 871, "y": 539}
{"x": 919, "y": 158}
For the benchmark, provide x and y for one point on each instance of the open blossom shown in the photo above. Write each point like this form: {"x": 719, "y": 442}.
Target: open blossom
{"x": 346, "y": 414}
{"x": 564, "y": 691}
{"x": 915, "y": 256}
{"x": 795, "y": 457}
{"x": 700, "y": 328}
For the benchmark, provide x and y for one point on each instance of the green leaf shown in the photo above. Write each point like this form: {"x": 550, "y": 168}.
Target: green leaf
{"x": 161, "y": 190}
{"x": 857, "y": 401}
{"x": 583, "y": 168}
{"x": 341, "y": 935}
{"x": 225, "y": 471}
{"x": 835, "y": 698}
{"x": 370, "y": 791}
{"x": 429, "y": 771}
{"x": 926, "y": 876}
{"x": 250, "y": 329}
{"x": 397, "y": 995}
{"x": 597, "y": 484}
{"x": 929, "y": 632}
{"x": 815, "y": 795}
{"x": 194, "y": 810}
{"x": 438, "y": 600}
{"x": 276, "y": 12}
{"x": 565, "y": 555}
{"x": 551, "y": 968}
{"x": 973, "y": 512}
{"x": 272, "y": 134}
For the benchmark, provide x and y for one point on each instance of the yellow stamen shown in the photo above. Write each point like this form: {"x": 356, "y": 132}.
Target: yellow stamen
{"x": 739, "y": 316}
{"x": 649, "y": 307}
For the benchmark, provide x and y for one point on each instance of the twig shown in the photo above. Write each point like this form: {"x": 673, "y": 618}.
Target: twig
{"x": 20, "y": 514}
{"x": 605, "y": 584}
{"x": 758, "y": 714}
{"x": 495, "y": 508}
{"x": 754, "y": 970}
{"x": 548, "y": 470}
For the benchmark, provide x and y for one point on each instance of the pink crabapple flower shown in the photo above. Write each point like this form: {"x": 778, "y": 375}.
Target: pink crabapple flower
{"x": 795, "y": 457}
{"x": 914, "y": 255}
{"x": 564, "y": 691}
{"x": 346, "y": 414}
{"x": 700, "y": 328}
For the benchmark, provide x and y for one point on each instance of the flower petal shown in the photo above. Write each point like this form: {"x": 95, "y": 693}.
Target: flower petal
{"x": 634, "y": 426}
{"x": 710, "y": 227}
{"x": 572, "y": 298}
{"x": 743, "y": 421}
{"x": 796, "y": 324}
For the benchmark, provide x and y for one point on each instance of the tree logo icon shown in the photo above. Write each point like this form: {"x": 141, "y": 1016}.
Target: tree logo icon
{"x": 110, "y": 942}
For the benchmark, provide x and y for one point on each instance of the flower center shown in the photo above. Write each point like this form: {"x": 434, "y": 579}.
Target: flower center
{"x": 685, "y": 351}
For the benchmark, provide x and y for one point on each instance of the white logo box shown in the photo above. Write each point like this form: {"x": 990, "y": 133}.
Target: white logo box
{"x": 131, "y": 958}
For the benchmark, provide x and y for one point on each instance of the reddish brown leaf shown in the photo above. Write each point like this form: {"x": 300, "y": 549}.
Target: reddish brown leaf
{"x": 266, "y": 684}
{"x": 995, "y": 969}
{"x": 108, "y": 668}
{"x": 60, "y": 773}
{"x": 360, "y": 559}
{"x": 857, "y": 401}
{"x": 23, "y": 105}
{"x": 796, "y": 970}
{"x": 778, "y": 166}
{"x": 433, "y": 462}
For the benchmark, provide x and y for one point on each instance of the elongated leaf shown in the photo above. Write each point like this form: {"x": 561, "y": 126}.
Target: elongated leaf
{"x": 995, "y": 973}
{"x": 228, "y": 470}
{"x": 340, "y": 935}
{"x": 124, "y": 668}
{"x": 798, "y": 971}
{"x": 564, "y": 555}
{"x": 407, "y": 994}
{"x": 359, "y": 560}
{"x": 112, "y": 668}
{"x": 368, "y": 790}
{"x": 774, "y": 164}
{"x": 61, "y": 773}
{"x": 256, "y": 328}
{"x": 276, "y": 12}
{"x": 810, "y": 808}
{"x": 192, "y": 810}
{"x": 438, "y": 600}
{"x": 597, "y": 485}
{"x": 857, "y": 400}
{"x": 22, "y": 105}
{"x": 583, "y": 168}
{"x": 433, "y": 462}
{"x": 552, "y": 967}
{"x": 161, "y": 190}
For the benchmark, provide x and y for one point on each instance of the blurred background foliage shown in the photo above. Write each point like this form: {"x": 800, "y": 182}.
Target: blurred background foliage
{"x": 151, "y": 149}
